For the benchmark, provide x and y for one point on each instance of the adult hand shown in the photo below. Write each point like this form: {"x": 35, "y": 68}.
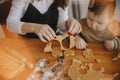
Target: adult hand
{"x": 44, "y": 32}
{"x": 73, "y": 26}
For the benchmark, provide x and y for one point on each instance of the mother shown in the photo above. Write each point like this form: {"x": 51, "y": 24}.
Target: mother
{"x": 41, "y": 19}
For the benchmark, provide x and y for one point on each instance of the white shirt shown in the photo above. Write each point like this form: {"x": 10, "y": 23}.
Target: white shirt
{"x": 19, "y": 7}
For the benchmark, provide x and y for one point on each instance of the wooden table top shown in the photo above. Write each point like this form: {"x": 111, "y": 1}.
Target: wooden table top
{"x": 32, "y": 50}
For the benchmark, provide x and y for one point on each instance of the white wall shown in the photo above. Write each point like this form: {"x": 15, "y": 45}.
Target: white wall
{"x": 117, "y": 10}
{"x": 79, "y": 8}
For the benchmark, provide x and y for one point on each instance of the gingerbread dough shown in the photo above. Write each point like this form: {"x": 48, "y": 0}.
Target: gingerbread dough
{"x": 60, "y": 38}
{"x": 117, "y": 57}
{"x": 48, "y": 47}
{"x": 57, "y": 51}
{"x": 72, "y": 42}
{"x": 69, "y": 52}
{"x": 88, "y": 54}
{"x": 91, "y": 74}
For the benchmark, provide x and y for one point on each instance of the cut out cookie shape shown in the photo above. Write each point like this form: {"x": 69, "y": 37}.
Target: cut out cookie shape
{"x": 88, "y": 54}
{"x": 117, "y": 57}
{"x": 91, "y": 74}
{"x": 69, "y": 52}
{"x": 58, "y": 50}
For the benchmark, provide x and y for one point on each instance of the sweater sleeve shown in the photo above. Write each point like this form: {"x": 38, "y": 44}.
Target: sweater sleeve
{"x": 16, "y": 12}
{"x": 116, "y": 41}
{"x": 62, "y": 18}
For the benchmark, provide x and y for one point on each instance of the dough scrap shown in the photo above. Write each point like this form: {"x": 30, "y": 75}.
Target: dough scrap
{"x": 91, "y": 74}
{"x": 98, "y": 60}
{"x": 88, "y": 54}
{"x": 117, "y": 57}
{"x": 48, "y": 47}
{"x": 72, "y": 42}
{"x": 69, "y": 52}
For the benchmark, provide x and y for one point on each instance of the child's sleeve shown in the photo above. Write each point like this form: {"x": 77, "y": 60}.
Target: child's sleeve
{"x": 116, "y": 41}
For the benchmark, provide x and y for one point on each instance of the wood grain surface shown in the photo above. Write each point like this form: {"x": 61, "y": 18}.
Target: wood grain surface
{"x": 32, "y": 50}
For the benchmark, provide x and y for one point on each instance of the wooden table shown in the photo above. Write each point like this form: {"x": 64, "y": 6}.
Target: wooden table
{"x": 32, "y": 50}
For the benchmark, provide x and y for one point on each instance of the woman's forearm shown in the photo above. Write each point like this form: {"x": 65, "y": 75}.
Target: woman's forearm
{"x": 28, "y": 28}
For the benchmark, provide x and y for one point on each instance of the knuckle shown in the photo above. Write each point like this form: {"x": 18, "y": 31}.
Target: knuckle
{"x": 46, "y": 25}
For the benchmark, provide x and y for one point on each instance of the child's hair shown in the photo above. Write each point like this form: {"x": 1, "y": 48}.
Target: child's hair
{"x": 61, "y": 3}
{"x": 99, "y": 7}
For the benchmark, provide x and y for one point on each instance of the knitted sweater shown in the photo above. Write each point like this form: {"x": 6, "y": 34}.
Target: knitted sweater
{"x": 112, "y": 32}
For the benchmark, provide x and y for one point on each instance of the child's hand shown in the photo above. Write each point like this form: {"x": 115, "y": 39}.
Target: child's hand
{"x": 80, "y": 43}
{"x": 109, "y": 44}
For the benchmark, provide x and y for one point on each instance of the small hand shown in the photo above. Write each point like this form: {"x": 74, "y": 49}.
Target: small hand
{"x": 45, "y": 32}
{"x": 109, "y": 44}
{"x": 80, "y": 43}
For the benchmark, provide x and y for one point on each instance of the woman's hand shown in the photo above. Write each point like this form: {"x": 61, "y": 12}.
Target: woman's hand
{"x": 109, "y": 44}
{"x": 80, "y": 43}
{"x": 73, "y": 26}
{"x": 44, "y": 32}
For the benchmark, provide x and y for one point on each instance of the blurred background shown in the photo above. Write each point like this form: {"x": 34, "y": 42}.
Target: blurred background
{"x": 4, "y": 10}
{"x": 77, "y": 9}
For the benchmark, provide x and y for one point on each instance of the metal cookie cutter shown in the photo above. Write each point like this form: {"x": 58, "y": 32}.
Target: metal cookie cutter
{"x": 61, "y": 58}
{"x": 43, "y": 63}
{"x": 56, "y": 67}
